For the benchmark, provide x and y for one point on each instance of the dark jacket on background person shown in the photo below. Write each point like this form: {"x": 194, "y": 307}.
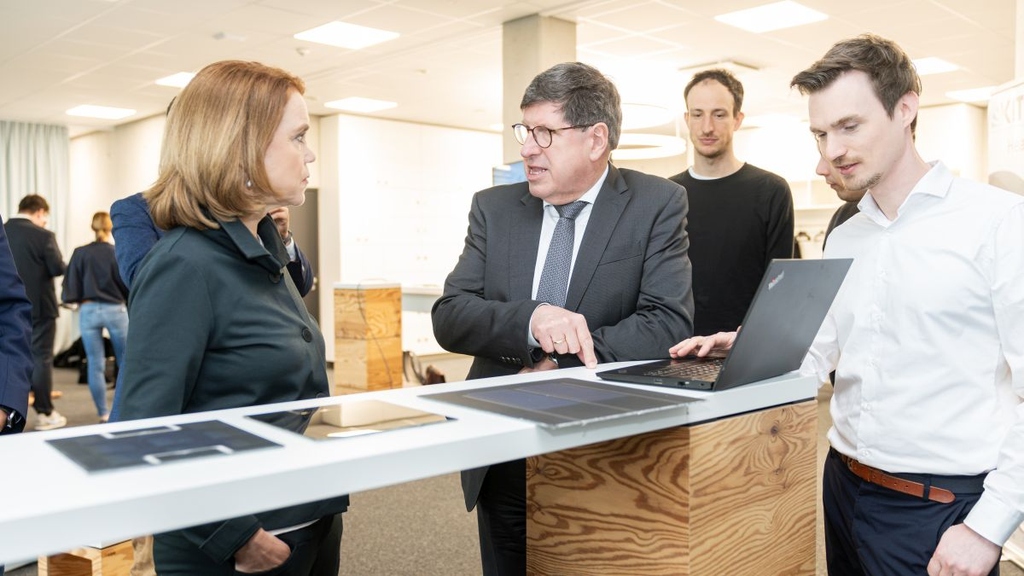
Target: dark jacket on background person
{"x": 92, "y": 275}
{"x": 15, "y": 341}
{"x": 216, "y": 323}
{"x": 39, "y": 261}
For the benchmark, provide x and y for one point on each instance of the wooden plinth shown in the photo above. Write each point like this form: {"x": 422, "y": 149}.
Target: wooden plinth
{"x": 735, "y": 496}
{"x": 114, "y": 560}
{"x": 367, "y": 338}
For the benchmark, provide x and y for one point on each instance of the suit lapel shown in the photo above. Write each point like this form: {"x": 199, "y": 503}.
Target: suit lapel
{"x": 604, "y": 216}
{"x": 524, "y": 238}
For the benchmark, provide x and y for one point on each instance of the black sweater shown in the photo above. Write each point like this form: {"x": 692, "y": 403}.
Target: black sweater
{"x": 736, "y": 225}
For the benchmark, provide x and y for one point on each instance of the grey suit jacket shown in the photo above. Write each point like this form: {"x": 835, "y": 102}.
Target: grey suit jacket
{"x": 630, "y": 280}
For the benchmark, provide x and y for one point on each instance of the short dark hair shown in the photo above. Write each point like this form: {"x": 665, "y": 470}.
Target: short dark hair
{"x": 723, "y": 77}
{"x": 585, "y": 95}
{"x": 33, "y": 203}
{"x": 891, "y": 71}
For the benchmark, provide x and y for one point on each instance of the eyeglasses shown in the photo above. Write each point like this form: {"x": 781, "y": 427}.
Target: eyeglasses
{"x": 541, "y": 134}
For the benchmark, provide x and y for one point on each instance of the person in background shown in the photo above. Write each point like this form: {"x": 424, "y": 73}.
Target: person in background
{"x": 15, "y": 346}
{"x": 39, "y": 261}
{"x": 583, "y": 263}
{"x": 94, "y": 284}
{"x": 740, "y": 218}
{"x": 216, "y": 322}
{"x": 927, "y": 461}
{"x": 849, "y": 197}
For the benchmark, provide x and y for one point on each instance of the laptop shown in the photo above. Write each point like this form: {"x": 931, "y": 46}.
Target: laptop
{"x": 778, "y": 329}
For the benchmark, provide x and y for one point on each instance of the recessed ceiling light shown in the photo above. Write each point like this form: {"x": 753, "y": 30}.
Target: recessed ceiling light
{"x": 737, "y": 68}
{"x": 357, "y": 104}
{"x": 179, "y": 80}
{"x": 345, "y": 35}
{"x": 104, "y": 112}
{"x": 933, "y": 65}
{"x": 972, "y": 95}
{"x": 770, "y": 120}
{"x": 775, "y": 16}
{"x": 643, "y": 146}
{"x": 636, "y": 116}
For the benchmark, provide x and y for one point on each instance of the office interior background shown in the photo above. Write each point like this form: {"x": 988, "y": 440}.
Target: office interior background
{"x": 407, "y": 129}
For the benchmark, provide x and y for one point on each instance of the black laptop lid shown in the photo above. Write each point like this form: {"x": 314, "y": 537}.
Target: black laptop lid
{"x": 783, "y": 319}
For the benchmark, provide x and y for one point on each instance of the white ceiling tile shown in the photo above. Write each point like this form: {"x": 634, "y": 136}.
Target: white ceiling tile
{"x": 446, "y": 66}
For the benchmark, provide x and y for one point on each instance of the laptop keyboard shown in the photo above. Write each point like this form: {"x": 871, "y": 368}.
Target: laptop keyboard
{"x": 691, "y": 369}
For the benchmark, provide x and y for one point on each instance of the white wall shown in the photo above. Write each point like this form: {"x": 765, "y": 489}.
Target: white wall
{"x": 394, "y": 206}
{"x": 957, "y": 134}
{"x": 109, "y": 165}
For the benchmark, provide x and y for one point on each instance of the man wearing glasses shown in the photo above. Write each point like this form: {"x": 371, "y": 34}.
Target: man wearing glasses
{"x": 583, "y": 263}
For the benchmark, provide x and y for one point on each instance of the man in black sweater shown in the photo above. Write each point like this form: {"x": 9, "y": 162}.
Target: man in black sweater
{"x": 741, "y": 217}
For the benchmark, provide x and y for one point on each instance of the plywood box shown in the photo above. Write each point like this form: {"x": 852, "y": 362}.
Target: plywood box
{"x": 734, "y": 496}
{"x": 113, "y": 560}
{"x": 367, "y": 337}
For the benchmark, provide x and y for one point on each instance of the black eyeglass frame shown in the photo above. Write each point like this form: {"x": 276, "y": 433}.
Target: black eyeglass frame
{"x": 521, "y": 132}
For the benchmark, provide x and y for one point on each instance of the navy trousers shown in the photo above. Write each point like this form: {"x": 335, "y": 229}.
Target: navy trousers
{"x": 874, "y": 531}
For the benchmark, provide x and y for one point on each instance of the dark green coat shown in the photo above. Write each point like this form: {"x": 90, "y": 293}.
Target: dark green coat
{"x": 216, "y": 322}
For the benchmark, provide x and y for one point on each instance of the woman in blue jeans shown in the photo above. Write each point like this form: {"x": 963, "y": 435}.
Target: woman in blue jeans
{"x": 92, "y": 282}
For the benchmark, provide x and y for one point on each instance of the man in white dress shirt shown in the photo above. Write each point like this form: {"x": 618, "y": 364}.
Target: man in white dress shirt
{"x": 926, "y": 470}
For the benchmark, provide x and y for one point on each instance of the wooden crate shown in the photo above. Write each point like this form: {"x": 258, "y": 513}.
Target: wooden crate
{"x": 367, "y": 338}
{"x": 113, "y": 560}
{"x": 735, "y": 496}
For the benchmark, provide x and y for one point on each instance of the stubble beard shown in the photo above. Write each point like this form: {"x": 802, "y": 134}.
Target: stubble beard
{"x": 854, "y": 188}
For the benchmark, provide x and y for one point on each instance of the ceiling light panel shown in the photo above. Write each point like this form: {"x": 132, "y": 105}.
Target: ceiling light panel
{"x": 933, "y": 65}
{"x": 775, "y": 16}
{"x": 179, "y": 80}
{"x": 361, "y": 105}
{"x": 103, "y": 112}
{"x": 345, "y": 35}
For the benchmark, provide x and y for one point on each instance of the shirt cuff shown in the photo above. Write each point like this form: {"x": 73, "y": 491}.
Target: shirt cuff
{"x": 530, "y": 340}
{"x": 12, "y": 418}
{"x": 992, "y": 519}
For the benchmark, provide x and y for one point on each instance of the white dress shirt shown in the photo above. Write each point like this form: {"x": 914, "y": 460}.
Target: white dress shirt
{"x": 930, "y": 325}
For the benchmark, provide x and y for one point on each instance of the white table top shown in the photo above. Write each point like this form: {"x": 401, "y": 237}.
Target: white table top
{"x": 52, "y": 505}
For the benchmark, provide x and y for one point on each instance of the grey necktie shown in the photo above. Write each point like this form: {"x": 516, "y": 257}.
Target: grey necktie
{"x": 554, "y": 279}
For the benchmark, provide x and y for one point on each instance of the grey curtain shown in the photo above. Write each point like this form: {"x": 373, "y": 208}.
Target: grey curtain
{"x": 35, "y": 159}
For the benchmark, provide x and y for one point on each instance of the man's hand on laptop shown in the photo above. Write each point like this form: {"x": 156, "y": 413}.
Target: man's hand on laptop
{"x": 559, "y": 331}
{"x": 703, "y": 345}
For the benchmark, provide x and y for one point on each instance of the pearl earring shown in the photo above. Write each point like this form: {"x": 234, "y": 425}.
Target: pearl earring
{"x": 248, "y": 183}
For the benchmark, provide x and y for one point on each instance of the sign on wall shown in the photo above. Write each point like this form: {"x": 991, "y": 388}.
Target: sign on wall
{"x": 1006, "y": 137}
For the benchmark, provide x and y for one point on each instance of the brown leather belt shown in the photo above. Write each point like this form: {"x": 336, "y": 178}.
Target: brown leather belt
{"x": 902, "y": 485}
